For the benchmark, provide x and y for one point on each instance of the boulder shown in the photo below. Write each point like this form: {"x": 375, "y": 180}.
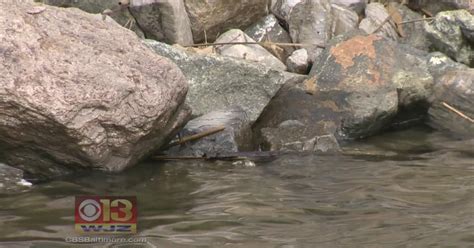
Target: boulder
{"x": 11, "y": 180}
{"x": 375, "y": 15}
{"x": 439, "y": 64}
{"x": 356, "y": 5}
{"x": 234, "y": 138}
{"x": 452, "y": 104}
{"x": 211, "y": 18}
{"x": 255, "y": 52}
{"x": 298, "y": 62}
{"x": 98, "y": 6}
{"x": 72, "y": 97}
{"x": 217, "y": 82}
{"x": 311, "y": 22}
{"x": 268, "y": 29}
{"x": 163, "y": 20}
{"x": 452, "y": 33}
{"x": 359, "y": 85}
{"x": 345, "y": 20}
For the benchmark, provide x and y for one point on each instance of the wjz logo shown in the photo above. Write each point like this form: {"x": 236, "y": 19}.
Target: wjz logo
{"x": 105, "y": 214}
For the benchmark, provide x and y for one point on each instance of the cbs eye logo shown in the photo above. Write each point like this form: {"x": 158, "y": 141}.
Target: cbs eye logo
{"x": 105, "y": 214}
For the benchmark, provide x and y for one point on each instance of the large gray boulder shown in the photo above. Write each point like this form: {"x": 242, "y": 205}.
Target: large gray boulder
{"x": 78, "y": 93}
{"x": 452, "y": 32}
{"x": 411, "y": 33}
{"x": 452, "y": 104}
{"x": 211, "y": 18}
{"x": 234, "y": 138}
{"x": 434, "y": 7}
{"x": 217, "y": 82}
{"x": 250, "y": 52}
{"x": 356, "y": 5}
{"x": 345, "y": 20}
{"x": 311, "y": 22}
{"x": 163, "y": 20}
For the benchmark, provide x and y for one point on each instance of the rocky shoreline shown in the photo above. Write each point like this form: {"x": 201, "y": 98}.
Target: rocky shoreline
{"x": 79, "y": 91}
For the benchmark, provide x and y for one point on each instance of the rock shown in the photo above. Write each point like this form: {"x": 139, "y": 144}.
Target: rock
{"x": 452, "y": 33}
{"x": 358, "y": 87}
{"x": 345, "y": 20}
{"x": 236, "y": 136}
{"x": 311, "y": 22}
{"x": 356, "y": 5}
{"x": 216, "y": 17}
{"x": 217, "y": 82}
{"x": 376, "y": 14}
{"x": 255, "y": 53}
{"x": 434, "y": 7}
{"x": 452, "y": 104}
{"x": 11, "y": 179}
{"x": 282, "y": 8}
{"x": 163, "y": 20}
{"x": 412, "y": 33}
{"x": 80, "y": 93}
{"x": 122, "y": 17}
{"x": 269, "y": 30}
{"x": 283, "y": 138}
{"x": 298, "y": 62}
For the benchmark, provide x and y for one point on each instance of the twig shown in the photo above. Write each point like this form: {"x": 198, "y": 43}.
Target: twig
{"x": 383, "y": 23}
{"x": 417, "y": 20}
{"x": 458, "y": 112}
{"x": 196, "y": 136}
{"x": 256, "y": 43}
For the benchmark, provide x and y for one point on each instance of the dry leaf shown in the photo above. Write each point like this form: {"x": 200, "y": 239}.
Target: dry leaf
{"x": 310, "y": 85}
{"x": 397, "y": 18}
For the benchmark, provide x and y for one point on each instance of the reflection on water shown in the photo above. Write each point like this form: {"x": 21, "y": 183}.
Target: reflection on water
{"x": 407, "y": 189}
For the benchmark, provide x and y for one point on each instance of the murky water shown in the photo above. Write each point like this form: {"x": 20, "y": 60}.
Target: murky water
{"x": 407, "y": 189}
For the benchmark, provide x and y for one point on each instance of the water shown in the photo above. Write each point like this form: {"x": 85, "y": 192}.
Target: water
{"x": 412, "y": 188}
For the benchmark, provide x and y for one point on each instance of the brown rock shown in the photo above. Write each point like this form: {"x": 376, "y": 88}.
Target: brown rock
{"x": 78, "y": 92}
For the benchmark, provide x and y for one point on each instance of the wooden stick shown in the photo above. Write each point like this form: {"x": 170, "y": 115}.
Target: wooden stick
{"x": 417, "y": 20}
{"x": 256, "y": 43}
{"x": 458, "y": 112}
{"x": 196, "y": 136}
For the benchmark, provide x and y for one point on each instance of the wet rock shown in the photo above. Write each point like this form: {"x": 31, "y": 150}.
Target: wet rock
{"x": 11, "y": 179}
{"x": 375, "y": 15}
{"x": 311, "y": 22}
{"x": 236, "y": 136}
{"x": 298, "y": 62}
{"x": 452, "y": 104}
{"x": 255, "y": 53}
{"x": 356, "y": 5}
{"x": 283, "y": 138}
{"x": 98, "y": 6}
{"x": 412, "y": 33}
{"x": 218, "y": 82}
{"x": 216, "y": 17}
{"x": 163, "y": 20}
{"x": 269, "y": 30}
{"x": 345, "y": 20}
{"x": 344, "y": 114}
{"x": 71, "y": 97}
{"x": 452, "y": 33}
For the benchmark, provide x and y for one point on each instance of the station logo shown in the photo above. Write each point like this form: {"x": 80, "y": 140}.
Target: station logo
{"x": 105, "y": 214}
